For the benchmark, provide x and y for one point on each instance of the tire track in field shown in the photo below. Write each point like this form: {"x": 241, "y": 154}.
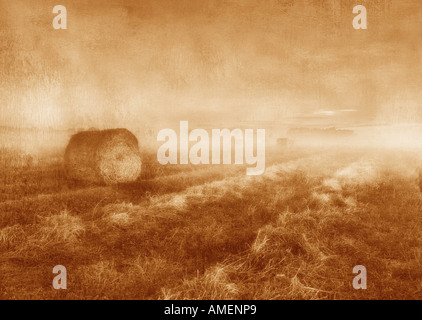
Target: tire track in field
{"x": 83, "y": 201}
{"x": 312, "y": 165}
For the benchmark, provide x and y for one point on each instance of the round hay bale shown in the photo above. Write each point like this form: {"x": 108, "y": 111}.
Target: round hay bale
{"x": 107, "y": 156}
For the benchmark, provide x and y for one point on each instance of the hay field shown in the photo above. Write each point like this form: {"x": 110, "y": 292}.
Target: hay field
{"x": 211, "y": 232}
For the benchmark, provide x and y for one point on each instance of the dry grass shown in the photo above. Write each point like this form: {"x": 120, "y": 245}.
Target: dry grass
{"x": 213, "y": 233}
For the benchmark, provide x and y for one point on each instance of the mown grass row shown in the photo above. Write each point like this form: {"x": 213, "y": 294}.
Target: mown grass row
{"x": 294, "y": 233}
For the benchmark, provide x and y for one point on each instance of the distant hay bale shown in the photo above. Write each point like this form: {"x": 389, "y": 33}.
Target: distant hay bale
{"x": 107, "y": 156}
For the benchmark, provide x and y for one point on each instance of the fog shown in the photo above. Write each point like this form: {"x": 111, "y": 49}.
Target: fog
{"x": 140, "y": 64}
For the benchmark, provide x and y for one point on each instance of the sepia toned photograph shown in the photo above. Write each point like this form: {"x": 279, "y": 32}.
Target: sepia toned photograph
{"x": 237, "y": 150}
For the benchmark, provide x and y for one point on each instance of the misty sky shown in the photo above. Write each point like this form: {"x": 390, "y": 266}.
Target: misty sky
{"x": 127, "y": 63}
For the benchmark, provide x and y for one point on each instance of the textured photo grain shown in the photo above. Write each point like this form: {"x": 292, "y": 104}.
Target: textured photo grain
{"x": 214, "y": 149}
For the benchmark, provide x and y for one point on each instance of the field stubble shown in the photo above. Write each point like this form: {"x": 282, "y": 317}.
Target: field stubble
{"x": 186, "y": 232}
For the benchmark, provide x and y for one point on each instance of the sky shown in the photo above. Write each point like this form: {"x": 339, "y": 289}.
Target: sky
{"x": 126, "y": 63}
